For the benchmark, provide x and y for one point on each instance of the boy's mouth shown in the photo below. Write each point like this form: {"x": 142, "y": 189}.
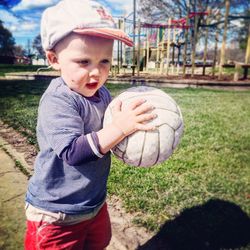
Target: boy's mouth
{"x": 92, "y": 85}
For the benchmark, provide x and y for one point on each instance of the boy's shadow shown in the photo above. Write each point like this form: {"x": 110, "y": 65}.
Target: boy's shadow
{"x": 217, "y": 224}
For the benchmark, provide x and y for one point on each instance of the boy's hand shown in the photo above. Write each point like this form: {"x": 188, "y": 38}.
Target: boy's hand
{"x": 133, "y": 118}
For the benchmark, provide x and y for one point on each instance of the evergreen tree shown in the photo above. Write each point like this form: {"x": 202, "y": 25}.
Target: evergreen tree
{"x": 7, "y": 41}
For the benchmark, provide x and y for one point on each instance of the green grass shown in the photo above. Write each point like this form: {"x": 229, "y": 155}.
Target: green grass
{"x": 211, "y": 162}
{"x": 7, "y": 68}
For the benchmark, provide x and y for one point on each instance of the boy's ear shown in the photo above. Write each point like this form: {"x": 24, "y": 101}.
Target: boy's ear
{"x": 52, "y": 59}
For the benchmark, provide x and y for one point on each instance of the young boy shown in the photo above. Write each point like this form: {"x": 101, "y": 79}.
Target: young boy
{"x": 65, "y": 200}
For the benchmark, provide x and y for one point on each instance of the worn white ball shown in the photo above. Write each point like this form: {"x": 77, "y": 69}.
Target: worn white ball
{"x": 148, "y": 148}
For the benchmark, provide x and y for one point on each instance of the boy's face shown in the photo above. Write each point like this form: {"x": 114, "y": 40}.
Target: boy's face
{"x": 84, "y": 62}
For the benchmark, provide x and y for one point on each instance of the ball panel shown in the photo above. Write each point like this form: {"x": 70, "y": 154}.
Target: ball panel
{"x": 138, "y": 92}
{"x": 166, "y": 117}
{"x": 159, "y": 102}
{"x": 166, "y": 138}
{"x": 150, "y": 151}
{"x": 121, "y": 148}
{"x": 142, "y": 91}
{"x": 134, "y": 150}
{"x": 178, "y": 134}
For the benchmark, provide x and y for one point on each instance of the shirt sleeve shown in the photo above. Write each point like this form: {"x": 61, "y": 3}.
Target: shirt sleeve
{"x": 63, "y": 128}
{"x": 82, "y": 149}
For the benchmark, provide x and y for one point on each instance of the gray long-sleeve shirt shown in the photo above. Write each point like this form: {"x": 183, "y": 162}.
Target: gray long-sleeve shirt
{"x": 70, "y": 173}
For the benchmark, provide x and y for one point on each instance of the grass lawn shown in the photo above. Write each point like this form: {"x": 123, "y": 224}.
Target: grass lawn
{"x": 211, "y": 163}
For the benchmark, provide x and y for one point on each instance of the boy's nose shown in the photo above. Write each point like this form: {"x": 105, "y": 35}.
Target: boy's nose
{"x": 94, "y": 71}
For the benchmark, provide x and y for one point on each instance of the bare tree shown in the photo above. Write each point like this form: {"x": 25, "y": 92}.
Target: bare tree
{"x": 160, "y": 10}
{"x": 7, "y": 41}
{"x": 37, "y": 46}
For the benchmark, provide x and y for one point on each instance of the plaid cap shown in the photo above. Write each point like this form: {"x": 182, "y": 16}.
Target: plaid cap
{"x": 84, "y": 17}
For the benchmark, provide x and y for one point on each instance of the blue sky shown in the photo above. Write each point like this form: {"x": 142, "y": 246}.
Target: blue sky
{"x": 22, "y": 17}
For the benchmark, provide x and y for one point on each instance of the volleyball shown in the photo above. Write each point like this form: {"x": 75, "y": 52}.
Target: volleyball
{"x": 148, "y": 148}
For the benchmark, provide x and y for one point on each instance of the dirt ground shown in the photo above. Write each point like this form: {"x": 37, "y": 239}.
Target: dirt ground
{"x": 126, "y": 236}
{"x": 197, "y": 77}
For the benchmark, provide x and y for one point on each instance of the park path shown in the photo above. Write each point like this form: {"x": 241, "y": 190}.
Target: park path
{"x": 13, "y": 185}
{"x": 12, "y": 188}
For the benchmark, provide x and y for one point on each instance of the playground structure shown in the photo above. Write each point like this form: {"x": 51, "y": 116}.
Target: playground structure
{"x": 170, "y": 48}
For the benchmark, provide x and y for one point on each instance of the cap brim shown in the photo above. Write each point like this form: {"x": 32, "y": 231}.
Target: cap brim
{"x": 106, "y": 33}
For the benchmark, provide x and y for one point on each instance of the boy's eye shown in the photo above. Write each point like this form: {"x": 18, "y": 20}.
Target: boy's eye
{"x": 105, "y": 61}
{"x": 84, "y": 62}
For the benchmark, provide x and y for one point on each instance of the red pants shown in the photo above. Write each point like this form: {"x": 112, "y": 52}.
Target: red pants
{"x": 93, "y": 234}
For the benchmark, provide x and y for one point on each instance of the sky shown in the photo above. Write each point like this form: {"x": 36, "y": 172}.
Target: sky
{"x": 22, "y": 17}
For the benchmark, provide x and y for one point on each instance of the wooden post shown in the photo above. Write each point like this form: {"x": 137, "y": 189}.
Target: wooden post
{"x": 118, "y": 56}
{"x": 158, "y": 50}
{"x": 113, "y": 68}
{"x": 194, "y": 43}
{"x": 162, "y": 52}
{"x": 168, "y": 45}
{"x": 121, "y": 46}
{"x": 147, "y": 52}
{"x": 144, "y": 51}
{"x": 139, "y": 48}
{"x": 237, "y": 71}
{"x": 215, "y": 50}
{"x": 124, "y": 54}
{"x": 119, "y": 49}
{"x": 223, "y": 46}
{"x": 173, "y": 50}
{"x": 134, "y": 27}
{"x": 247, "y": 58}
{"x": 205, "y": 49}
{"x": 185, "y": 44}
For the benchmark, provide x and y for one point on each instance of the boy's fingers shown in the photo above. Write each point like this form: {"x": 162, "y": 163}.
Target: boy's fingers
{"x": 145, "y": 117}
{"x": 117, "y": 106}
{"x": 145, "y": 127}
{"x": 136, "y": 103}
{"x": 143, "y": 109}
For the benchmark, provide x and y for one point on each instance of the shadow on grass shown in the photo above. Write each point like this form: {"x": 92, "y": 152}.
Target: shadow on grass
{"x": 214, "y": 225}
{"x": 14, "y": 88}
